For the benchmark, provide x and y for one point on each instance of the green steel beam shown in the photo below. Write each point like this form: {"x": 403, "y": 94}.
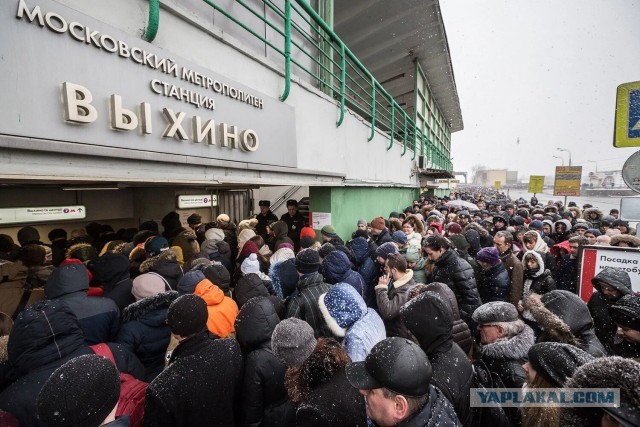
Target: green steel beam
{"x": 154, "y": 21}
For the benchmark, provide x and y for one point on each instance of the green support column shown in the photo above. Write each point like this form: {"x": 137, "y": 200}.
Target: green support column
{"x": 348, "y": 204}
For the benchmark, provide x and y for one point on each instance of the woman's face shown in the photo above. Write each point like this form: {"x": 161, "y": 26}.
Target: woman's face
{"x": 362, "y": 226}
{"x": 532, "y": 264}
{"x": 530, "y": 244}
{"x": 407, "y": 228}
{"x": 546, "y": 229}
{"x": 531, "y": 373}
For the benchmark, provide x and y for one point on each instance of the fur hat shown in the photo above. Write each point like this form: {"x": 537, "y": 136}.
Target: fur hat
{"x": 631, "y": 241}
{"x": 292, "y": 202}
{"x": 250, "y": 264}
{"x": 293, "y": 341}
{"x": 329, "y": 231}
{"x": 223, "y": 219}
{"x": 378, "y": 223}
{"x": 495, "y": 312}
{"x": 386, "y": 249}
{"x": 489, "y": 255}
{"x": 265, "y": 203}
{"x": 307, "y": 261}
{"x": 82, "y": 392}
{"x": 187, "y": 315}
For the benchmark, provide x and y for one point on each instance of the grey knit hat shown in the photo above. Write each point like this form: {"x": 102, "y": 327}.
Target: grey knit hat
{"x": 362, "y": 222}
{"x": 495, "y": 312}
{"x": 293, "y": 341}
{"x": 307, "y": 261}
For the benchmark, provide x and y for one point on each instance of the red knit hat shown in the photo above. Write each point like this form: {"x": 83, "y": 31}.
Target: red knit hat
{"x": 307, "y": 231}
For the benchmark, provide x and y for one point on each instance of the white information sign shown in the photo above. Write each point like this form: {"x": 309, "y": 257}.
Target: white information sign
{"x": 42, "y": 214}
{"x": 189, "y": 201}
{"x": 320, "y": 219}
{"x": 595, "y": 258}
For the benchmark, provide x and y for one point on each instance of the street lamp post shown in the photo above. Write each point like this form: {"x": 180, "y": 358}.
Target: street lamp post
{"x": 559, "y": 158}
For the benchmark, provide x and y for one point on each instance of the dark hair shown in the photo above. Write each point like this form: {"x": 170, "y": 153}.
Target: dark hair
{"x": 32, "y": 255}
{"x": 508, "y": 237}
{"x": 581, "y": 240}
{"x": 414, "y": 404}
{"x": 530, "y": 237}
{"x": 436, "y": 242}
{"x": 398, "y": 262}
{"x": 327, "y": 359}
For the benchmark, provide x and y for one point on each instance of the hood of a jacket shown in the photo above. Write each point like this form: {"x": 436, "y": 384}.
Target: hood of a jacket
{"x": 555, "y": 250}
{"x": 447, "y": 295}
{"x": 335, "y": 267}
{"x": 280, "y": 229}
{"x": 249, "y": 286}
{"x": 341, "y": 307}
{"x": 616, "y": 277}
{"x": 570, "y": 309}
{"x": 428, "y": 317}
{"x": 210, "y": 247}
{"x": 587, "y": 212}
{"x": 215, "y": 234}
{"x": 255, "y": 324}
{"x": 483, "y": 232}
{"x": 541, "y": 266}
{"x": 110, "y": 269}
{"x": 148, "y": 310}
{"x": 566, "y": 223}
{"x": 67, "y": 279}
{"x": 360, "y": 249}
{"x": 44, "y": 332}
{"x": 209, "y": 292}
{"x": 151, "y": 264}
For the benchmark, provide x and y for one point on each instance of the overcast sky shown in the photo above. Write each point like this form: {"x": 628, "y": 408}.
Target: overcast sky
{"x": 543, "y": 71}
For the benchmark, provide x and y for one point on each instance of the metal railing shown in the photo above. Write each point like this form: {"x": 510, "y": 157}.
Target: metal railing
{"x": 338, "y": 73}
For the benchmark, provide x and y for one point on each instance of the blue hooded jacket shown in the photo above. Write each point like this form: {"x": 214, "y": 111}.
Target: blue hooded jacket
{"x": 337, "y": 268}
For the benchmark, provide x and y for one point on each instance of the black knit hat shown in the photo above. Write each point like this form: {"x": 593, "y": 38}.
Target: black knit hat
{"x": 82, "y": 393}
{"x": 194, "y": 219}
{"x": 307, "y": 261}
{"x": 626, "y": 311}
{"x": 556, "y": 362}
{"x": 219, "y": 276}
{"x": 187, "y": 315}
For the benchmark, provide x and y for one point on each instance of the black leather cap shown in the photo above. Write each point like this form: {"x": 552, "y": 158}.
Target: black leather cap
{"x": 396, "y": 364}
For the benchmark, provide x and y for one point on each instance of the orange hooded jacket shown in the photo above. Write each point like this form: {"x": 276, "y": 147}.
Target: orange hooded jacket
{"x": 222, "y": 310}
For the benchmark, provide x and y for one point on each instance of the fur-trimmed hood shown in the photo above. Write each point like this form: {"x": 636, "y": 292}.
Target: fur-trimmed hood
{"x": 152, "y": 263}
{"x": 483, "y": 232}
{"x": 514, "y": 348}
{"x": 576, "y": 210}
{"x": 606, "y": 372}
{"x": 146, "y": 305}
{"x": 341, "y": 307}
{"x": 587, "y": 212}
{"x": 419, "y": 228}
{"x": 630, "y": 240}
{"x": 187, "y": 234}
{"x": 554, "y": 328}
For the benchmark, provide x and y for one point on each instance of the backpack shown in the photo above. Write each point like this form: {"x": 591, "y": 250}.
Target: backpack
{"x": 132, "y": 390}
{"x": 488, "y": 416}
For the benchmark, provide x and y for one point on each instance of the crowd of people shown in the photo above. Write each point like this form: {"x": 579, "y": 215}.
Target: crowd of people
{"x": 268, "y": 322}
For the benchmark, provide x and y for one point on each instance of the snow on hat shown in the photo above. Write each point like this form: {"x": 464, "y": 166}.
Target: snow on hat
{"x": 156, "y": 244}
{"x": 250, "y": 264}
{"x": 378, "y": 223}
{"x": 489, "y": 255}
{"x": 399, "y": 237}
{"x": 194, "y": 218}
{"x": 535, "y": 225}
{"x": 307, "y": 261}
{"x": 293, "y": 341}
{"x": 82, "y": 392}
{"x": 386, "y": 249}
{"x": 187, "y": 315}
{"x": 626, "y": 311}
{"x": 412, "y": 254}
{"x": 556, "y": 362}
{"x": 326, "y": 249}
{"x": 454, "y": 227}
{"x": 189, "y": 281}
{"x": 329, "y": 231}
{"x": 495, "y": 312}
{"x": 148, "y": 284}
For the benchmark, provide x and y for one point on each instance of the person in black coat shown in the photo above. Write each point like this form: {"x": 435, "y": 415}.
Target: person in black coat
{"x": 456, "y": 273}
{"x": 537, "y": 278}
{"x": 264, "y": 396}
{"x": 564, "y": 317}
{"x": 493, "y": 281}
{"x": 365, "y": 265}
{"x": 429, "y": 318}
{"x": 611, "y": 284}
{"x": 145, "y": 332}
{"x": 44, "y": 337}
{"x": 111, "y": 270}
{"x": 201, "y": 383}
{"x": 99, "y": 317}
{"x": 164, "y": 263}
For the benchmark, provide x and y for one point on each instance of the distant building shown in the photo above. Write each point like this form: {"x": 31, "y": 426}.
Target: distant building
{"x": 489, "y": 177}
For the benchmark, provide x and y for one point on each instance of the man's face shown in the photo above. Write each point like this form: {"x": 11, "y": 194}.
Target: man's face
{"x": 546, "y": 229}
{"x": 362, "y": 226}
{"x": 292, "y": 210}
{"x": 463, "y": 220}
{"x": 609, "y": 292}
{"x": 379, "y": 408}
{"x": 614, "y": 214}
{"x": 628, "y": 334}
{"x": 381, "y": 261}
{"x": 490, "y": 333}
{"x": 560, "y": 228}
{"x": 264, "y": 210}
{"x": 499, "y": 243}
{"x": 499, "y": 225}
{"x": 481, "y": 205}
{"x": 434, "y": 255}
{"x": 575, "y": 247}
{"x": 591, "y": 238}
{"x": 510, "y": 211}
{"x": 580, "y": 231}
